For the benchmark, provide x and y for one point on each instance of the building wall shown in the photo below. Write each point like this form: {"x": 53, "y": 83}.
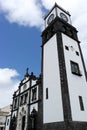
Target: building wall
{"x": 52, "y": 107}
{"x": 77, "y": 85}
{"x": 8, "y": 118}
{"x": 23, "y": 111}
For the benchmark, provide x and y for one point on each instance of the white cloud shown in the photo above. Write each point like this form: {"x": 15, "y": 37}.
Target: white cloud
{"x": 23, "y": 12}
{"x": 30, "y": 12}
{"x": 8, "y": 84}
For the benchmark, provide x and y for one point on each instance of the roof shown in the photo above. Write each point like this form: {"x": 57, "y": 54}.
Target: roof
{"x": 56, "y": 5}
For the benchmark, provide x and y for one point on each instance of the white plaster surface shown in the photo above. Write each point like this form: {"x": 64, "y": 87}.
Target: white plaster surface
{"x": 77, "y": 84}
{"x": 52, "y": 107}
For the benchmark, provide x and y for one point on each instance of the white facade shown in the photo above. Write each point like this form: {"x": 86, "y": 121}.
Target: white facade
{"x": 52, "y": 107}
{"x": 77, "y": 85}
{"x": 23, "y": 111}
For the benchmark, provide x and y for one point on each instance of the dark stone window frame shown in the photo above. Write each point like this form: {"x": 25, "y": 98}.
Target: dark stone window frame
{"x": 24, "y": 87}
{"x": 25, "y": 97}
{"x": 34, "y": 94}
{"x": 7, "y": 122}
{"x": 15, "y": 103}
{"x": 81, "y": 103}
{"x": 75, "y": 68}
{"x": 21, "y": 100}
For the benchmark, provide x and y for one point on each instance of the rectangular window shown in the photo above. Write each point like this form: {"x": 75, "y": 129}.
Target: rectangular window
{"x": 25, "y": 97}
{"x": 81, "y": 103}
{"x": 66, "y": 47}
{"x": 75, "y": 68}
{"x": 77, "y": 53}
{"x": 21, "y": 100}
{"x": 46, "y": 93}
{"x": 34, "y": 94}
{"x": 15, "y": 103}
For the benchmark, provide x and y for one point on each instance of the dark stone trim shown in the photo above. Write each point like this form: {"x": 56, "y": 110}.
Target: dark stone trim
{"x": 62, "y": 126}
{"x": 74, "y": 72}
{"x": 34, "y": 102}
{"x": 59, "y": 8}
{"x": 28, "y": 122}
{"x": 55, "y": 126}
{"x": 21, "y": 93}
{"x": 82, "y": 61}
{"x": 11, "y": 116}
{"x": 16, "y": 109}
{"x": 64, "y": 82}
{"x": 8, "y": 115}
{"x": 59, "y": 25}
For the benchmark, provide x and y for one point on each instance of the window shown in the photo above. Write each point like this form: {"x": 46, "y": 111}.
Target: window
{"x": 66, "y": 47}
{"x": 15, "y": 103}
{"x": 8, "y": 122}
{"x": 46, "y": 93}
{"x": 75, "y": 68}
{"x": 24, "y": 87}
{"x": 25, "y": 99}
{"x": 21, "y": 100}
{"x": 34, "y": 94}
{"x": 77, "y": 53}
{"x": 81, "y": 103}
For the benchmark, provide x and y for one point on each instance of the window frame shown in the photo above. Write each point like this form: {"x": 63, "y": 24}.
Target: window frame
{"x": 81, "y": 103}
{"x": 25, "y": 97}
{"x": 75, "y": 68}
{"x": 34, "y": 94}
{"x": 47, "y": 93}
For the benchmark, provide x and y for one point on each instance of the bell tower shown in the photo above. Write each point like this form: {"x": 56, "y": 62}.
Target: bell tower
{"x": 64, "y": 74}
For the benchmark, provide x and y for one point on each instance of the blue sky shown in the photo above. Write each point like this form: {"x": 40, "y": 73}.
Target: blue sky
{"x": 21, "y": 23}
{"x": 20, "y": 47}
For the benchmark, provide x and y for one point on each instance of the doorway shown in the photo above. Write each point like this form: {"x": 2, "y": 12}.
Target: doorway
{"x": 23, "y": 122}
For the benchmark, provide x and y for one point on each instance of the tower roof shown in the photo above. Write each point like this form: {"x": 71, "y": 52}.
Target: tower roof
{"x": 56, "y": 5}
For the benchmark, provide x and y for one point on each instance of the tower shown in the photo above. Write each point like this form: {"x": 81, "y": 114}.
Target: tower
{"x": 64, "y": 74}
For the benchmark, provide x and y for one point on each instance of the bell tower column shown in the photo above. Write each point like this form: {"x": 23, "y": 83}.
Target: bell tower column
{"x": 64, "y": 74}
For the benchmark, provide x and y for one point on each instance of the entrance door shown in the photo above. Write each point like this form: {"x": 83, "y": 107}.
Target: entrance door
{"x": 23, "y": 122}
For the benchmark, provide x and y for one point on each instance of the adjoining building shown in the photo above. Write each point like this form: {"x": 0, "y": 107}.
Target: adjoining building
{"x": 3, "y": 113}
{"x": 57, "y": 99}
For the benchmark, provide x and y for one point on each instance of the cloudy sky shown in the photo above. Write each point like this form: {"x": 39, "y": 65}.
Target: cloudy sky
{"x": 21, "y": 22}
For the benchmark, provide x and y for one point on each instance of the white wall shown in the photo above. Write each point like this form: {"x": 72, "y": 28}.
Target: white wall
{"x": 77, "y": 84}
{"x": 33, "y": 82}
{"x": 23, "y": 111}
{"x": 28, "y": 85}
{"x": 14, "y": 113}
{"x": 52, "y": 107}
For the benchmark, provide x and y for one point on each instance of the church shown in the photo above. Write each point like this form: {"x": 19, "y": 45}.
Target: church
{"x": 57, "y": 99}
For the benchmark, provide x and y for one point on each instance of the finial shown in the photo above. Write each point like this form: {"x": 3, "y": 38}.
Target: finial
{"x": 27, "y": 70}
{"x": 55, "y": 3}
{"x": 32, "y": 73}
{"x": 26, "y": 75}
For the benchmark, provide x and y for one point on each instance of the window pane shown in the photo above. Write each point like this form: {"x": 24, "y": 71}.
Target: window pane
{"x": 75, "y": 68}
